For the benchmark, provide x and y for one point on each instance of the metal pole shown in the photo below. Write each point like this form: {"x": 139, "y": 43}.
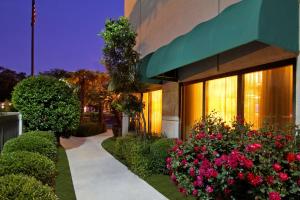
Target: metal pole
{"x": 32, "y": 37}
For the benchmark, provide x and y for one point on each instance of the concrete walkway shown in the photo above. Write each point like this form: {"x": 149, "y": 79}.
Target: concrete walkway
{"x": 99, "y": 176}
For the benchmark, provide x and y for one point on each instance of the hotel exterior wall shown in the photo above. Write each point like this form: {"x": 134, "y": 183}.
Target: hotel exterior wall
{"x": 159, "y": 22}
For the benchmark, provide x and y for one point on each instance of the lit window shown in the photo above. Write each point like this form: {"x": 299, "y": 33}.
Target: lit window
{"x": 268, "y": 97}
{"x": 221, "y": 97}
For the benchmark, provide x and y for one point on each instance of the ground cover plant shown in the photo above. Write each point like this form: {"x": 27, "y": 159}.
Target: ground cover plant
{"x": 222, "y": 162}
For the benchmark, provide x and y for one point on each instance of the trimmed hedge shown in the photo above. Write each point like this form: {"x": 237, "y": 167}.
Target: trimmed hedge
{"x": 47, "y": 103}
{"x": 159, "y": 153}
{"x": 28, "y": 163}
{"x": 44, "y": 134}
{"x": 32, "y": 144}
{"x": 18, "y": 187}
{"x": 90, "y": 129}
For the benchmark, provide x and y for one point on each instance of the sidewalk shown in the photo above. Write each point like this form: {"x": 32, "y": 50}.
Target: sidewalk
{"x": 99, "y": 176}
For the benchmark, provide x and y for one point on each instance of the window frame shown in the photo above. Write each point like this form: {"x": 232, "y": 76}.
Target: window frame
{"x": 240, "y": 87}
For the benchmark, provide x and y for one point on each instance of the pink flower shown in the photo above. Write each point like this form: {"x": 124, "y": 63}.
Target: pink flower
{"x": 169, "y": 160}
{"x": 253, "y": 147}
{"x": 173, "y": 177}
{"x": 274, "y": 196}
{"x": 209, "y": 189}
{"x": 200, "y": 156}
{"x": 195, "y": 192}
{"x": 179, "y": 152}
{"x": 203, "y": 148}
{"x": 291, "y": 157}
{"x": 277, "y": 167}
{"x": 298, "y": 156}
{"x": 183, "y": 162}
{"x": 192, "y": 172}
{"x": 283, "y": 176}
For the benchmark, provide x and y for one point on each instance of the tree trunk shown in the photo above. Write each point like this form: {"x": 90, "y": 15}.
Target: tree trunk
{"x": 81, "y": 96}
{"x": 144, "y": 119}
{"x": 100, "y": 113}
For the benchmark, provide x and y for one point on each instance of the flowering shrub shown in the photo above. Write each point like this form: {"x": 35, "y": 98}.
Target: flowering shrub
{"x": 222, "y": 162}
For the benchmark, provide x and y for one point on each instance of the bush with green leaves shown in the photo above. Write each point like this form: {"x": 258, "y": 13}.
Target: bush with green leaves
{"x": 47, "y": 103}
{"x": 31, "y": 143}
{"x": 44, "y": 134}
{"x": 89, "y": 129}
{"x": 30, "y": 164}
{"x": 158, "y": 154}
{"x": 19, "y": 187}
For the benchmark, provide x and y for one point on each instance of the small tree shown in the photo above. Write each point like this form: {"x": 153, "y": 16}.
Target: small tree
{"x": 121, "y": 61}
{"x": 47, "y": 103}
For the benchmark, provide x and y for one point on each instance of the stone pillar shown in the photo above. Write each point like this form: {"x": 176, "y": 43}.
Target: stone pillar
{"x": 170, "y": 110}
{"x": 125, "y": 124}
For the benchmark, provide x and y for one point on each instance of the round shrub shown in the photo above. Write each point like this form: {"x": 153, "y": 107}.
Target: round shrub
{"x": 158, "y": 154}
{"x": 32, "y": 144}
{"x": 28, "y": 163}
{"x": 19, "y": 187}
{"x": 90, "y": 129}
{"x": 47, "y": 103}
{"x": 44, "y": 134}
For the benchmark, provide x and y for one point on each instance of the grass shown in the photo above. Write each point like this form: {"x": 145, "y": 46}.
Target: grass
{"x": 64, "y": 186}
{"x": 160, "y": 182}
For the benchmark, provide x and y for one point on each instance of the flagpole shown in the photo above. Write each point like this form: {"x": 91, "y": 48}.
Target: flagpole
{"x": 32, "y": 36}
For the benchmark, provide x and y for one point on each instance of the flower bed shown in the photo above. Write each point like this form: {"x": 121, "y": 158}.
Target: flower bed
{"x": 221, "y": 162}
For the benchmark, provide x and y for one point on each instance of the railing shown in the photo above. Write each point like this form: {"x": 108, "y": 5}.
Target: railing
{"x": 10, "y": 126}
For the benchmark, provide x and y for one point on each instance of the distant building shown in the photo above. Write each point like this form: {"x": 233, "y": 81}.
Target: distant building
{"x": 238, "y": 58}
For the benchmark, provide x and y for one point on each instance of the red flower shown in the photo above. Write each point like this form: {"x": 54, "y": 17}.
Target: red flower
{"x": 241, "y": 176}
{"x": 227, "y": 191}
{"x": 200, "y": 135}
{"x": 196, "y": 162}
{"x": 230, "y": 181}
{"x": 209, "y": 189}
{"x": 200, "y": 156}
{"x": 203, "y": 148}
{"x": 298, "y": 182}
{"x": 253, "y": 147}
{"x": 278, "y": 145}
{"x": 173, "y": 177}
{"x": 291, "y": 157}
{"x": 178, "y": 142}
{"x": 277, "y": 167}
{"x": 219, "y": 136}
{"x": 195, "y": 192}
{"x": 248, "y": 163}
{"x": 182, "y": 190}
{"x": 274, "y": 196}
{"x": 184, "y": 162}
{"x": 270, "y": 180}
{"x": 196, "y": 149}
{"x": 254, "y": 180}
{"x": 283, "y": 176}
{"x": 169, "y": 160}
{"x": 179, "y": 152}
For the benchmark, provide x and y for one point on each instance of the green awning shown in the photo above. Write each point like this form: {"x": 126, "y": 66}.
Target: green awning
{"x": 273, "y": 22}
{"x": 143, "y": 70}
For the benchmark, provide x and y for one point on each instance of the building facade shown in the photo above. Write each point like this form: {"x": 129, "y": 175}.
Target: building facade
{"x": 235, "y": 58}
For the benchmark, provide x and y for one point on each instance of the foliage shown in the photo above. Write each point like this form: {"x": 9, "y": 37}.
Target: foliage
{"x": 30, "y": 164}
{"x": 57, "y": 73}
{"x": 46, "y": 104}
{"x": 120, "y": 58}
{"x": 129, "y": 104}
{"x": 218, "y": 162}
{"x": 32, "y": 144}
{"x": 44, "y": 134}
{"x": 89, "y": 129}
{"x": 63, "y": 184}
{"x": 8, "y": 79}
{"x": 158, "y": 154}
{"x": 18, "y": 187}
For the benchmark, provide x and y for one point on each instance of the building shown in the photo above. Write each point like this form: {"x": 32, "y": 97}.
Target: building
{"x": 238, "y": 58}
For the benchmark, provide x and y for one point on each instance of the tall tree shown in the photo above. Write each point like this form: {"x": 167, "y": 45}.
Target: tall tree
{"x": 121, "y": 61}
{"x": 8, "y": 80}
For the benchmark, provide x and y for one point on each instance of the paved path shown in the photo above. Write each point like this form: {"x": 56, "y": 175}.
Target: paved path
{"x": 99, "y": 176}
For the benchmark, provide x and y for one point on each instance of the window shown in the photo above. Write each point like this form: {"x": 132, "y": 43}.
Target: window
{"x": 268, "y": 96}
{"x": 193, "y": 101}
{"x": 152, "y": 111}
{"x": 221, "y": 97}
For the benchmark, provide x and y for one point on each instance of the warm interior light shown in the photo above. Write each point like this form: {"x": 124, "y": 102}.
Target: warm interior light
{"x": 193, "y": 99}
{"x": 221, "y": 97}
{"x": 146, "y": 110}
{"x": 156, "y": 111}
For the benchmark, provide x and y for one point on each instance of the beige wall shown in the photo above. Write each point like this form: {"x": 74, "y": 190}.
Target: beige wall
{"x": 158, "y": 22}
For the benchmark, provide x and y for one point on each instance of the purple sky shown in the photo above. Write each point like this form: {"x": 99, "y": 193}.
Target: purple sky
{"x": 66, "y": 33}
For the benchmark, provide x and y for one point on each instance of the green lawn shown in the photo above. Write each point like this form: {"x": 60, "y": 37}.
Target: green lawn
{"x": 64, "y": 186}
{"x": 161, "y": 183}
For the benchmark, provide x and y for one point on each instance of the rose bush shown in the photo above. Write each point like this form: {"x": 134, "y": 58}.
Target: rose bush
{"x": 222, "y": 162}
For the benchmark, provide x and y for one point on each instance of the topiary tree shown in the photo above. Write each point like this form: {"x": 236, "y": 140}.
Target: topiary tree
{"x": 47, "y": 104}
